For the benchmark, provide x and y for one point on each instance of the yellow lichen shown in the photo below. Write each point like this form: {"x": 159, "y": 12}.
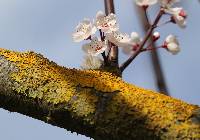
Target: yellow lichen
{"x": 85, "y": 103}
{"x": 58, "y": 85}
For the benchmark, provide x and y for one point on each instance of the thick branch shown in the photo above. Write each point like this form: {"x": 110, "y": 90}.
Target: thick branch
{"x": 93, "y": 103}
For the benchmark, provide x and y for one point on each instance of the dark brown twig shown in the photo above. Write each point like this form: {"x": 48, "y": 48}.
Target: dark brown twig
{"x": 103, "y": 54}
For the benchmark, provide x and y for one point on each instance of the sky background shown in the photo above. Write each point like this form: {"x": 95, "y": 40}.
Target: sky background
{"x": 45, "y": 26}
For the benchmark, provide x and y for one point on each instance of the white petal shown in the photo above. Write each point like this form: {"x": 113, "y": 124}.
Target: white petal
{"x": 86, "y": 48}
{"x": 145, "y": 2}
{"x": 93, "y": 31}
{"x": 128, "y": 49}
{"x": 95, "y": 47}
{"x": 83, "y": 30}
{"x": 86, "y": 21}
{"x": 171, "y": 38}
{"x": 77, "y": 38}
{"x": 106, "y": 23}
{"x": 100, "y": 15}
{"x": 91, "y": 62}
{"x": 172, "y": 44}
{"x": 118, "y": 38}
{"x": 173, "y": 48}
{"x": 135, "y": 38}
{"x": 156, "y": 35}
{"x": 151, "y": 2}
{"x": 180, "y": 21}
{"x": 168, "y": 3}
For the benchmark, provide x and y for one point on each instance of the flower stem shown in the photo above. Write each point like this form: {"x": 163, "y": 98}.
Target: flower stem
{"x": 166, "y": 22}
{"x": 103, "y": 54}
{"x": 146, "y": 16}
{"x": 151, "y": 48}
{"x": 102, "y": 35}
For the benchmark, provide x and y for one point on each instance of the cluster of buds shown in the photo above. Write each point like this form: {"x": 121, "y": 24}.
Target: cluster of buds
{"x": 109, "y": 32}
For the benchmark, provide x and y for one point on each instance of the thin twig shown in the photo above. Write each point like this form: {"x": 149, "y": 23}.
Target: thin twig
{"x": 102, "y": 35}
{"x": 162, "y": 24}
{"x": 103, "y": 54}
{"x": 104, "y": 57}
{"x": 146, "y": 15}
{"x": 148, "y": 35}
{"x": 151, "y": 48}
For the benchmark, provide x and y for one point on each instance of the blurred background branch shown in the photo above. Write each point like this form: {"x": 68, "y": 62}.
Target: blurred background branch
{"x": 156, "y": 63}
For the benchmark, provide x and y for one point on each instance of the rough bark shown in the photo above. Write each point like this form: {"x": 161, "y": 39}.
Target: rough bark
{"x": 94, "y": 103}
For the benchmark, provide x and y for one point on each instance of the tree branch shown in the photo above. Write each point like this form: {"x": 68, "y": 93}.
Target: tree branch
{"x": 92, "y": 103}
{"x": 147, "y": 36}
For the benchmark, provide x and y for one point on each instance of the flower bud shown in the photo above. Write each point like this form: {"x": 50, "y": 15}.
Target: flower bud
{"x": 156, "y": 36}
{"x": 171, "y": 44}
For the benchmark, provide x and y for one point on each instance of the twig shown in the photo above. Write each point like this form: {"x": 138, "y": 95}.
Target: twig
{"x": 103, "y": 54}
{"x": 102, "y": 35}
{"x": 146, "y": 15}
{"x": 104, "y": 57}
{"x": 151, "y": 48}
{"x": 113, "y": 54}
{"x": 162, "y": 24}
{"x": 148, "y": 35}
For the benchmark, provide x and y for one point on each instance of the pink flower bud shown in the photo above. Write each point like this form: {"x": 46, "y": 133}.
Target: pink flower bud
{"x": 182, "y": 13}
{"x": 156, "y": 36}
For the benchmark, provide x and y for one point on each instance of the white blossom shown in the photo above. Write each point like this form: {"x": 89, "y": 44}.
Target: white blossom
{"x": 91, "y": 62}
{"x": 145, "y": 2}
{"x": 168, "y": 3}
{"x": 84, "y": 30}
{"x": 95, "y": 47}
{"x": 178, "y": 16}
{"x": 133, "y": 44}
{"x": 172, "y": 44}
{"x": 118, "y": 38}
{"x": 105, "y": 23}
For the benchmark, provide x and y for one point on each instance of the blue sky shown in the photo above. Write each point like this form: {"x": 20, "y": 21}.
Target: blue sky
{"x": 45, "y": 26}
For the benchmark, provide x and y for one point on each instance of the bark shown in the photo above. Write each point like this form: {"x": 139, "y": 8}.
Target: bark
{"x": 91, "y": 102}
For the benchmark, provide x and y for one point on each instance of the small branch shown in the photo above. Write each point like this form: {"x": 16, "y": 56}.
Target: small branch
{"x": 113, "y": 55}
{"x": 162, "y": 24}
{"x": 146, "y": 15}
{"x": 151, "y": 48}
{"x": 148, "y": 35}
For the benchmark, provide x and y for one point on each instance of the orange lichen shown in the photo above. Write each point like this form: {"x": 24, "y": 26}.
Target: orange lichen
{"x": 38, "y": 78}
